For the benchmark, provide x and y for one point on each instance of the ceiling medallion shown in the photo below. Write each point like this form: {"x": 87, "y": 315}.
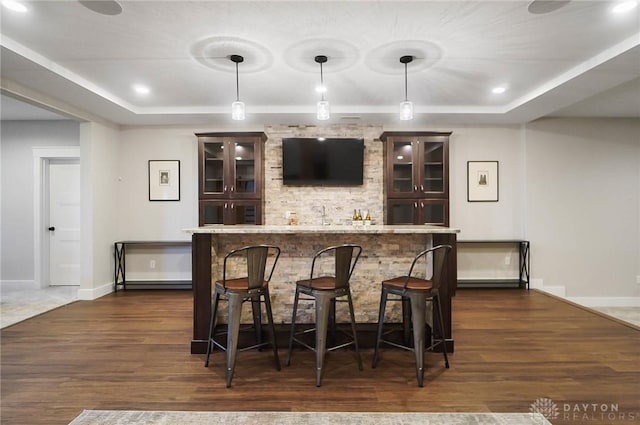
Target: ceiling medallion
{"x": 214, "y": 52}
{"x": 301, "y": 55}
{"x": 384, "y": 59}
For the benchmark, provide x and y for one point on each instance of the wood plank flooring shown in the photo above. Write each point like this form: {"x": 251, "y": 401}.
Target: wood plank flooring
{"x": 130, "y": 351}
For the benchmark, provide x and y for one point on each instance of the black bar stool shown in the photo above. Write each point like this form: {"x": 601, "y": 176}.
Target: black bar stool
{"x": 324, "y": 290}
{"x": 418, "y": 292}
{"x": 238, "y": 290}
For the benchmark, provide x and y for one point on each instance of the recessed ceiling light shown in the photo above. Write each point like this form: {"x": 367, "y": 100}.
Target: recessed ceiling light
{"x": 625, "y": 6}
{"x": 140, "y": 89}
{"x": 540, "y": 7}
{"x": 499, "y": 90}
{"x": 103, "y": 7}
{"x": 14, "y": 5}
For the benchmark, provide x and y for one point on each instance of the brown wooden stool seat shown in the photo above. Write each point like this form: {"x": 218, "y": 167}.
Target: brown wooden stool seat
{"x": 324, "y": 290}
{"x": 417, "y": 291}
{"x": 236, "y": 291}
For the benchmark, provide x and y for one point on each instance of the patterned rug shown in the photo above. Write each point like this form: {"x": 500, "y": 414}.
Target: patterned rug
{"x": 113, "y": 417}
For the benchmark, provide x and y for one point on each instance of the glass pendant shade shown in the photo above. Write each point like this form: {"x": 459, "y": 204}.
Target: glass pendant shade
{"x": 322, "y": 110}
{"x": 322, "y": 107}
{"x": 237, "y": 107}
{"x": 406, "y": 110}
{"x": 237, "y": 110}
{"x": 406, "y": 106}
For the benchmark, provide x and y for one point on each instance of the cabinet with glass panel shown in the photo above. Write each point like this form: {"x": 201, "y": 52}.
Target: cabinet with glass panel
{"x": 230, "y": 177}
{"x": 417, "y": 177}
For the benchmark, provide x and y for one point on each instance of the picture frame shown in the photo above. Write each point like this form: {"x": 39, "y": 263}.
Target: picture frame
{"x": 482, "y": 181}
{"x": 164, "y": 180}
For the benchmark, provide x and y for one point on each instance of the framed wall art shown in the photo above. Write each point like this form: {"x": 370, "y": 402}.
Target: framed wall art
{"x": 482, "y": 181}
{"x": 164, "y": 180}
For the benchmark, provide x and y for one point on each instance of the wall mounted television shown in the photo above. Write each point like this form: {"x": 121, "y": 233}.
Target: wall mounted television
{"x": 322, "y": 162}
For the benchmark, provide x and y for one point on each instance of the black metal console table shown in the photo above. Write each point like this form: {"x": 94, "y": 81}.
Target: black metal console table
{"x": 119, "y": 275}
{"x": 524, "y": 265}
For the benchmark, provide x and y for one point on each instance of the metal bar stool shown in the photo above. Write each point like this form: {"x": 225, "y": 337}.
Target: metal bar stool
{"x": 324, "y": 290}
{"x": 417, "y": 291}
{"x": 238, "y": 290}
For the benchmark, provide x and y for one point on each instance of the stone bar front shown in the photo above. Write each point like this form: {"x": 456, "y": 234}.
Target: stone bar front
{"x": 387, "y": 252}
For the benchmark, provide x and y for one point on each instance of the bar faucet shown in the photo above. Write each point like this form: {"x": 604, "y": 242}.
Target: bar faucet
{"x": 324, "y": 216}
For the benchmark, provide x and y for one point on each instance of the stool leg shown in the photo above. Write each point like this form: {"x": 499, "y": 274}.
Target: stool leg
{"x": 418, "y": 307}
{"x": 212, "y": 326}
{"x": 257, "y": 318}
{"x": 267, "y": 304}
{"x": 233, "y": 331}
{"x": 383, "y": 306}
{"x": 323, "y": 305}
{"x": 353, "y": 328}
{"x": 442, "y": 337}
{"x": 293, "y": 325}
{"x": 406, "y": 320}
{"x": 332, "y": 321}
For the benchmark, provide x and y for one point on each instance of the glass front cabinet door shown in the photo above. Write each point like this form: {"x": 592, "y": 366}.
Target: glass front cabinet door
{"x": 417, "y": 177}
{"x": 417, "y": 164}
{"x": 230, "y": 169}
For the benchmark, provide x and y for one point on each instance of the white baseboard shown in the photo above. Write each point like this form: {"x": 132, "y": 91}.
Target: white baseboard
{"x": 606, "y": 301}
{"x": 536, "y": 284}
{"x": 94, "y": 293}
{"x": 558, "y": 291}
{"x": 17, "y": 285}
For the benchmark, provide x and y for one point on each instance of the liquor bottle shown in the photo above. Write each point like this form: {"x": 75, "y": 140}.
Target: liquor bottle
{"x": 367, "y": 219}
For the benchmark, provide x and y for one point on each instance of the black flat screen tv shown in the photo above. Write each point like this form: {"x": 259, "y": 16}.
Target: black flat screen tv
{"x": 322, "y": 162}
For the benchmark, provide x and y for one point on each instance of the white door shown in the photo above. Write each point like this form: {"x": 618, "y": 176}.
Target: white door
{"x": 64, "y": 222}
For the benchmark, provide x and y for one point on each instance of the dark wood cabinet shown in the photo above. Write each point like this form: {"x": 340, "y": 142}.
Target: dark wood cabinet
{"x": 230, "y": 177}
{"x": 231, "y": 211}
{"x": 418, "y": 211}
{"x": 417, "y": 177}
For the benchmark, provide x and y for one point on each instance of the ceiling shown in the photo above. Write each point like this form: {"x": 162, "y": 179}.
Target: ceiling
{"x": 555, "y": 58}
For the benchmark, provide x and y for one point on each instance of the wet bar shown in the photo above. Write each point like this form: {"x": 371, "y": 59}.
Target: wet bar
{"x": 387, "y": 251}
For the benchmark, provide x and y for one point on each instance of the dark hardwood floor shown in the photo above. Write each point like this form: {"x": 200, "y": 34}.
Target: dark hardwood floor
{"x": 130, "y": 351}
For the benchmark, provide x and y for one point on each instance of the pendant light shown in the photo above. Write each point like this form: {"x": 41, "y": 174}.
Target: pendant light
{"x": 406, "y": 106}
{"x": 322, "y": 107}
{"x": 237, "y": 107}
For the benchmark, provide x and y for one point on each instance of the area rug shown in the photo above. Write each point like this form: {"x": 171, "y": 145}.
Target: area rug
{"x": 128, "y": 417}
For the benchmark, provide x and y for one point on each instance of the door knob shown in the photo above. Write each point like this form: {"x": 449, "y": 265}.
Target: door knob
{"x": 52, "y": 228}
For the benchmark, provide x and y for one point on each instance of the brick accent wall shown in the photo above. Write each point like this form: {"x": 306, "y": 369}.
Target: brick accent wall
{"x": 307, "y": 201}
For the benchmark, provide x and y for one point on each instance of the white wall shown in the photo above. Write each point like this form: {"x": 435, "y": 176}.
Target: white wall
{"x": 583, "y": 197}
{"x": 139, "y": 218}
{"x": 487, "y": 220}
{"x": 571, "y": 186}
{"x": 17, "y": 237}
{"x": 99, "y": 160}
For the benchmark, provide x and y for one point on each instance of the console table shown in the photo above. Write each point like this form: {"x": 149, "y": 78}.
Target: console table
{"x": 119, "y": 274}
{"x": 524, "y": 265}
{"x": 387, "y": 251}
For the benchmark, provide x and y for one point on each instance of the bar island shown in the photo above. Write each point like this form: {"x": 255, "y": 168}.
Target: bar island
{"x": 387, "y": 252}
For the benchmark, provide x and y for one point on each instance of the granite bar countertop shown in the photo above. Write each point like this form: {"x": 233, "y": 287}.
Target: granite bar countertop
{"x": 318, "y": 229}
